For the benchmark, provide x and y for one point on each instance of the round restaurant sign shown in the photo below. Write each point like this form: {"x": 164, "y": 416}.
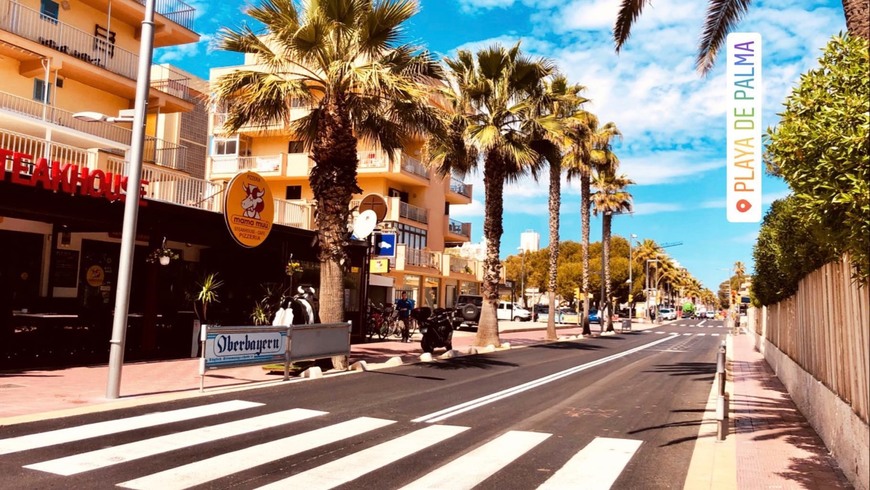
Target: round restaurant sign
{"x": 249, "y": 209}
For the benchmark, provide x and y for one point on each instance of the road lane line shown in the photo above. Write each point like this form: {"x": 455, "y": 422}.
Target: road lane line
{"x": 687, "y": 333}
{"x": 470, "y": 469}
{"x": 348, "y": 468}
{"x": 661, "y": 333}
{"x": 226, "y": 464}
{"x": 487, "y": 399}
{"x": 701, "y": 334}
{"x": 596, "y": 466}
{"x": 714, "y": 335}
{"x": 701, "y": 323}
{"x": 81, "y": 432}
{"x": 101, "y": 458}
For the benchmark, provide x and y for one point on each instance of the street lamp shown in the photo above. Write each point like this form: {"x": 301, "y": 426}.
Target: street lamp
{"x": 131, "y": 205}
{"x": 124, "y": 116}
{"x": 523, "y": 274}
{"x": 647, "y": 288}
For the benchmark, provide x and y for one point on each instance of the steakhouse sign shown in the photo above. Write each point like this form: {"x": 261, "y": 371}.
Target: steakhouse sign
{"x": 67, "y": 177}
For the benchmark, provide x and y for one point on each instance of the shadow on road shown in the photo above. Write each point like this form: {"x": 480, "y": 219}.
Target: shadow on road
{"x": 478, "y": 362}
{"x": 707, "y": 370}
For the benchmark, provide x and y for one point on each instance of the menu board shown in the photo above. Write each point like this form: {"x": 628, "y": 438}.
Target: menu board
{"x": 66, "y": 268}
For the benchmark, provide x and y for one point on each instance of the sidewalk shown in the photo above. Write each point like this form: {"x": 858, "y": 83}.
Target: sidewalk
{"x": 769, "y": 444}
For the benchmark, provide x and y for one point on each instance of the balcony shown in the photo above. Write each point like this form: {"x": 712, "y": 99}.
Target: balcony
{"x": 415, "y": 257}
{"x": 164, "y": 153}
{"x": 75, "y": 43}
{"x": 462, "y": 267}
{"x": 37, "y": 111}
{"x": 233, "y": 164}
{"x": 173, "y": 22}
{"x": 458, "y": 192}
{"x": 173, "y": 187}
{"x": 411, "y": 212}
{"x": 457, "y": 231}
{"x": 405, "y": 169}
{"x": 295, "y": 214}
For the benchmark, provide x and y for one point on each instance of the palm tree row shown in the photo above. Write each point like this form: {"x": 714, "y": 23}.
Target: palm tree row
{"x": 498, "y": 110}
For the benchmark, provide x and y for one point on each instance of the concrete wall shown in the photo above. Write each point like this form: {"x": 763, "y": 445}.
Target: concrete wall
{"x": 844, "y": 433}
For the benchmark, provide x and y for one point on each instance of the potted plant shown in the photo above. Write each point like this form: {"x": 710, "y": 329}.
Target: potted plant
{"x": 207, "y": 293}
{"x": 161, "y": 255}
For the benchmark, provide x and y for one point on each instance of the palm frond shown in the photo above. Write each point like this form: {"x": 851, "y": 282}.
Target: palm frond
{"x": 629, "y": 11}
{"x": 722, "y": 16}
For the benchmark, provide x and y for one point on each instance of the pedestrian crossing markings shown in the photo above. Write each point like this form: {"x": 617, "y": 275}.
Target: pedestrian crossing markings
{"x": 599, "y": 463}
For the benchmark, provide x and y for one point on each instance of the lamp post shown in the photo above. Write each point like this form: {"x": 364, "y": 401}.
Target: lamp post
{"x": 647, "y": 288}
{"x": 131, "y": 206}
{"x": 631, "y": 238}
{"x": 523, "y": 274}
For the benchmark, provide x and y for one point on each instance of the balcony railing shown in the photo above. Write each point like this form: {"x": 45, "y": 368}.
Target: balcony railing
{"x": 164, "y": 153}
{"x": 176, "y": 11}
{"x": 458, "y": 264}
{"x": 293, "y": 214}
{"x": 414, "y": 166}
{"x": 413, "y": 213}
{"x": 460, "y": 187}
{"x": 421, "y": 258}
{"x": 232, "y": 164}
{"x": 32, "y": 25}
{"x": 459, "y": 228}
{"x": 47, "y": 113}
{"x": 173, "y": 187}
{"x": 39, "y": 148}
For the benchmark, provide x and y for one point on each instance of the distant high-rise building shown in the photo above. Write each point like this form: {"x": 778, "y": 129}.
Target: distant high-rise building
{"x": 530, "y": 241}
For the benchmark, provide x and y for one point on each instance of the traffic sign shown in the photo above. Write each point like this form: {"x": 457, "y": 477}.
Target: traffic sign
{"x": 385, "y": 244}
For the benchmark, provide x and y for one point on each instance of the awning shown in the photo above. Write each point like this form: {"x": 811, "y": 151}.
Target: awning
{"x": 382, "y": 281}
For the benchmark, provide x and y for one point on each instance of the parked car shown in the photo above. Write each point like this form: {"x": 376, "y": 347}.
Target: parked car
{"x": 593, "y": 316}
{"x": 710, "y": 314}
{"x": 468, "y": 309}
{"x": 541, "y": 312}
{"x": 567, "y": 315}
{"x": 667, "y": 314}
{"x": 512, "y": 311}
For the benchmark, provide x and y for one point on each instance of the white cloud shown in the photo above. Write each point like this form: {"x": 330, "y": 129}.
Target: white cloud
{"x": 667, "y": 167}
{"x": 174, "y": 54}
{"x": 642, "y": 208}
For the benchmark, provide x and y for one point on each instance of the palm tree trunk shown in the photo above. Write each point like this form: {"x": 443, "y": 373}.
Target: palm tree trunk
{"x": 493, "y": 183}
{"x": 554, "y": 203}
{"x": 857, "y": 17}
{"x": 585, "y": 192}
{"x": 606, "y": 222}
{"x": 333, "y": 182}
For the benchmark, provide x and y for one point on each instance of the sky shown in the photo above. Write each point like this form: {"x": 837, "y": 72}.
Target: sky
{"x": 673, "y": 121}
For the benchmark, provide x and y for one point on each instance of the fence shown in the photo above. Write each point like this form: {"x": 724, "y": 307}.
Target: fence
{"x": 825, "y": 328}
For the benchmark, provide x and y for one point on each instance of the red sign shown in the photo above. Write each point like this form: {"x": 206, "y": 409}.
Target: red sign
{"x": 68, "y": 178}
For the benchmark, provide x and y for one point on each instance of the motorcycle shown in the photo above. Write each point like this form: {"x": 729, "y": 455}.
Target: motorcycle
{"x": 436, "y": 327}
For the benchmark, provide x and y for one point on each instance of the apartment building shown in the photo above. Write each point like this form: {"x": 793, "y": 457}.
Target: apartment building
{"x": 427, "y": 263}
{"x": 62, "y": 181}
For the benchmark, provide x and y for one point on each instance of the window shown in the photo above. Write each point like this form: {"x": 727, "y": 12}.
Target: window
{"x": 39, "y": 90}
{"x": 293, "y": 192}
{"x": 446, "y": 209}
{"x": 226, "y": 146}
{"x": 295, "y": 147}
{"x": 411, "y": 236}
{"x": 403, "y": 196}
{"x": 48, "y": 10}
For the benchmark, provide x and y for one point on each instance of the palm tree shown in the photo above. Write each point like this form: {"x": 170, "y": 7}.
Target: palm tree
{"x": 610, "y": 199}
{"x": 491, "y": 97}
{"x": 560, "y": 113}
{"x": 590, "y": 148}
{"x": 722, "y": 16}
{"x": 344, "y": 58}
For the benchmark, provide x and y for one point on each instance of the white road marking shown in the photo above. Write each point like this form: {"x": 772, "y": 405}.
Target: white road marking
{"x": 687, "y": 333}
{"x": 714, "y": 335}
{"x": 660, "y": 332}
{"x": 701, "y": 323}
{"x": 595, "y": 467}
{"x": 226, "y": 464}
{"x": 101, "y": 458}
{"x": 71, "y": 434}
{"x": 485, "y": 400}
{"x": 348, "y": 468}
{"x": 469, "y": 470}
{"x": 701, "y": 334}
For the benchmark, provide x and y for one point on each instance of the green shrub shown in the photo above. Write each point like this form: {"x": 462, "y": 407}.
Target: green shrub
{"x": 820, "y": 148}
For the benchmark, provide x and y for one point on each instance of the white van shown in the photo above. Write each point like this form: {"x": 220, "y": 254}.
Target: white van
{"x": 511, "y": 311}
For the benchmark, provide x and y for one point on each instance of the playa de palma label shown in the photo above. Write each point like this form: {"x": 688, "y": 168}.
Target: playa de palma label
{"x": 249, "y": 209}
{"x": 744, "y": 82}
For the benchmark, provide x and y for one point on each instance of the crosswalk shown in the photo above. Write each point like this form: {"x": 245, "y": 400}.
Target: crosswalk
{"x": 595, "y": 465}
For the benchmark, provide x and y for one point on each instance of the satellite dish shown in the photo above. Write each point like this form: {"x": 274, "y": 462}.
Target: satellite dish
{"x": 376, "y": 203}
{"x": 364, "y": 224}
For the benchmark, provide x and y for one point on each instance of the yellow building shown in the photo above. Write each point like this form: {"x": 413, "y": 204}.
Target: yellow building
{"x": 426, "y": 262}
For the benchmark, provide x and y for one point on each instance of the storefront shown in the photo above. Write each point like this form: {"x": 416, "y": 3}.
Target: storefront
{"x": 58, "y": 274}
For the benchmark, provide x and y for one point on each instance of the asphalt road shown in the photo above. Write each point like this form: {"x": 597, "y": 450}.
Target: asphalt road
{"x": 611, "y": 412}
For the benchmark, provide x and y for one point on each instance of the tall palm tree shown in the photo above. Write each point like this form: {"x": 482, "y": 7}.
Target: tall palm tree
{"x": 722, "y": 16}
{"x": 590, "y": 148}
{"x": 560, "y": 115}
{"x": 609, "y": 199}
{"x": 345, "y": 58}
{"x": 492, "y": 96}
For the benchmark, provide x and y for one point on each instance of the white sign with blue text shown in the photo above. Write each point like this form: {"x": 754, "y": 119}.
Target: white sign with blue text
{"x": 227, "y": 347}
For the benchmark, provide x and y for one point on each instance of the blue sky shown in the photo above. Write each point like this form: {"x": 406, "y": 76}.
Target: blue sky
{"x": 673, "y": 121}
